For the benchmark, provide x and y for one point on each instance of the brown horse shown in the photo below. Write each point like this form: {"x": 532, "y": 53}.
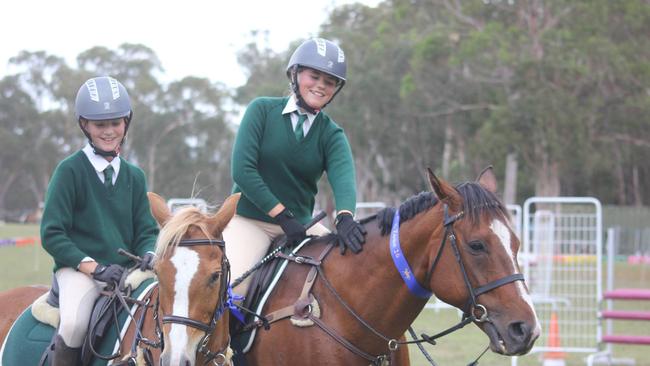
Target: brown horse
{"x": 188, "y": 301}
{"x": 456, "y": 242}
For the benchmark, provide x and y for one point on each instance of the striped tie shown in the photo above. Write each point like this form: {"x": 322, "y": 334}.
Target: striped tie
{"x": 108, "y": 177}
{"x": 298, "y": 131}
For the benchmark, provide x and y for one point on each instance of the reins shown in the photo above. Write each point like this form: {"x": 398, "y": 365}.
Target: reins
{"x": 117, "y": 297}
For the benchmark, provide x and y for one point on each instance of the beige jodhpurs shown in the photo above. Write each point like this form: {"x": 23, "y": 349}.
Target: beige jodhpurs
{"x": 248, "y": 240}
{"x": 77, "y": 295}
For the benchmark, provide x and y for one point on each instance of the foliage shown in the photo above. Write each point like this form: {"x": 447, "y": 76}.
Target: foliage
{"x": 183, "y": 121}
{"x": 562, "y": 85}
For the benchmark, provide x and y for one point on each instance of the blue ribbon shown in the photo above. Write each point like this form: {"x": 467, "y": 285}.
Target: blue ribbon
{"x": 402, "y": 264}
{"x": 234, "y": 309}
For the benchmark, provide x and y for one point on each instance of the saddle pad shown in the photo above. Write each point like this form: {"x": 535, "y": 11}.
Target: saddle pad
{"x": 244, "y": 340}
{"x": 28, "y": 338}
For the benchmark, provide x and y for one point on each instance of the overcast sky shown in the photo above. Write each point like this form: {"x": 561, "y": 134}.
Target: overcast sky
{"x": 191, "y": 37}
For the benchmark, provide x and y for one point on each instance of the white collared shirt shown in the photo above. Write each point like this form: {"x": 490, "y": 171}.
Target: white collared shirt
{"x": 292, "y": 107}
{"x": 99, "y": 163}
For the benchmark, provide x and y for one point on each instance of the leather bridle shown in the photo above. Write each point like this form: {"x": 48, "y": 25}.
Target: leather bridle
{"x": 472, "y": 305}
{"x": 220, "y": 357}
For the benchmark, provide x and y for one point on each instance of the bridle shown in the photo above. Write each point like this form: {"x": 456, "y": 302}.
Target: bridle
{"x": 220, "y": 357}
{"x": 472, "y": 305}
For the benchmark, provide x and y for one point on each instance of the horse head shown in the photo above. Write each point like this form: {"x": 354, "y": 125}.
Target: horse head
{"x": 193, "y": 278}
{"x": 483, "y": 277}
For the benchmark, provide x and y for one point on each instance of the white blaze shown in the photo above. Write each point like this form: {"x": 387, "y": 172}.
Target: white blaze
{"x": 503, "y": 233}
{"x": 186, "y": 262}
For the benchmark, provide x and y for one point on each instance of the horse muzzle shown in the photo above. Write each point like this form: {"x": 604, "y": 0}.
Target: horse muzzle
{"x": 514, "y": 339}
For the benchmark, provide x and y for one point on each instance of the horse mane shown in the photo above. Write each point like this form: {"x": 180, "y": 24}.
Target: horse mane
{"x": 174, "y": 229}
{"x": 476, "y": 201}
{"x": 407, "y": 210}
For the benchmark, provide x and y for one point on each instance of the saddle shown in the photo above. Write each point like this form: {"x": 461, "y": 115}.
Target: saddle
{"x": 260, "y": 281}
{"x": 263, "y": 282}
{"x": 108, "y": 312}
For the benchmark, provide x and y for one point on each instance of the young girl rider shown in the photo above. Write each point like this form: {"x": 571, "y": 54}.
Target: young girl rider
{"x": 96, "y": 203}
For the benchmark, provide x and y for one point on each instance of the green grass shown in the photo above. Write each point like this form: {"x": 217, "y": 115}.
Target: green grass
{"x": 32, "y": 265}
{"x": 25, "y": 265}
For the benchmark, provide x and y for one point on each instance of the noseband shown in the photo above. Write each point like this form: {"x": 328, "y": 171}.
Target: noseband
{"x": 219, "y": 357}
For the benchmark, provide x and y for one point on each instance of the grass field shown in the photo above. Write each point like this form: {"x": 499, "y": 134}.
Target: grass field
{"x": 31, "y": 265}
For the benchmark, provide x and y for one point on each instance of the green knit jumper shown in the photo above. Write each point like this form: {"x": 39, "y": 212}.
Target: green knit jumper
{"x": 270, "y": 166}
{"x": 82, "y": 218}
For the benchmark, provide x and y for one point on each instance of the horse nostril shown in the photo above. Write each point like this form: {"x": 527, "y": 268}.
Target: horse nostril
{"x": 519, "y": 331}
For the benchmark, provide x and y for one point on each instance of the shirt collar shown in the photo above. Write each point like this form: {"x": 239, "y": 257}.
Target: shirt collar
{"x": 98, "y": 162}
{"x": 291, "y": 107}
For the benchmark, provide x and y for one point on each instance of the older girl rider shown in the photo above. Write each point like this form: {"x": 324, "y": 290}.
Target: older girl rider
{"x": 282, "y": 148}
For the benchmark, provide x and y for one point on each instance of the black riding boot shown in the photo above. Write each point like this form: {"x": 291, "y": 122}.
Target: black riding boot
{"x": 64, "y": 355}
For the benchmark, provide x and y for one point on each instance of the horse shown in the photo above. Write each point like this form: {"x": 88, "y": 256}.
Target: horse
{"x": 180, "y": 321}
{"x": 455, "y": 242}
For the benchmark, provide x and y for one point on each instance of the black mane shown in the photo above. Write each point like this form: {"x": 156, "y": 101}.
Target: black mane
{"x": 476, "y": 200}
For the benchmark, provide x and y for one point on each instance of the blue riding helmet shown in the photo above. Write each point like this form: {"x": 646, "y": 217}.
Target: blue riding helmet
{"x": 319, "y": 54}
{"x": 322, "y": 55}
{"x": 103, "y": 98}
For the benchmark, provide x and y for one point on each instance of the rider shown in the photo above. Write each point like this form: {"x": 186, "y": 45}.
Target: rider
{"x": 96, "y": 204}
{"x": 282, "y": 148}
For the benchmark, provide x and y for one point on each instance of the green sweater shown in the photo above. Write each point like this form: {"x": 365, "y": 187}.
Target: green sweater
{"x": 82, "y": 218}
{"x": 269, "y": 166}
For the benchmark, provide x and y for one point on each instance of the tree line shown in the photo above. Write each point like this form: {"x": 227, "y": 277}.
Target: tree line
{"x": 554, "y": 94}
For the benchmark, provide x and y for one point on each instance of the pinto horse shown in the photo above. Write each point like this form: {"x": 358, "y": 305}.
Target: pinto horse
{"x": 180, "y": 322}
{"x": 454, "y": 242}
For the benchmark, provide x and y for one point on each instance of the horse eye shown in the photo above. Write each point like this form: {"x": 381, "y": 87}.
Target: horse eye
{"x": 477, "y": 246}
{"x": 214, "y": 277}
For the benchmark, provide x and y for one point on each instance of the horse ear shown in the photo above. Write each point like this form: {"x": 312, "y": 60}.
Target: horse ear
{"x": 487, "y": 179}
{"x": 444, "y": 191}
{"x": 159, "y": 208}
{"x": 219, "y": 221}
{"x": 437, "y": 185}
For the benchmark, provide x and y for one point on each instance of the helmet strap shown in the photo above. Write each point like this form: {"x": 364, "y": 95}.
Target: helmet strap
{"x": 300, "y": 101}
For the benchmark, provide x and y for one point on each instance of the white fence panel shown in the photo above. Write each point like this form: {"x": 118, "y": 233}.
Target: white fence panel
{"x": 562, "y": 247}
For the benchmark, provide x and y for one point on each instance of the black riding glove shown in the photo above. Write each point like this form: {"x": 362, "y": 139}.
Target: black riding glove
{"x": 147, "y": 261}
{"x": 111, "y": 273}
{"x": 294, "y": 230}
{"x": 351, "y": 233}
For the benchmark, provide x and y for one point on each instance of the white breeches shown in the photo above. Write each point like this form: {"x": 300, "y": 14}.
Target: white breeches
{"x": 248, "y": 240}
{"x": 77, "y": 295}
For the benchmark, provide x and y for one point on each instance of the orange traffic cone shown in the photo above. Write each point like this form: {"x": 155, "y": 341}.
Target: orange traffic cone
{"x": 554, "y": 358}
